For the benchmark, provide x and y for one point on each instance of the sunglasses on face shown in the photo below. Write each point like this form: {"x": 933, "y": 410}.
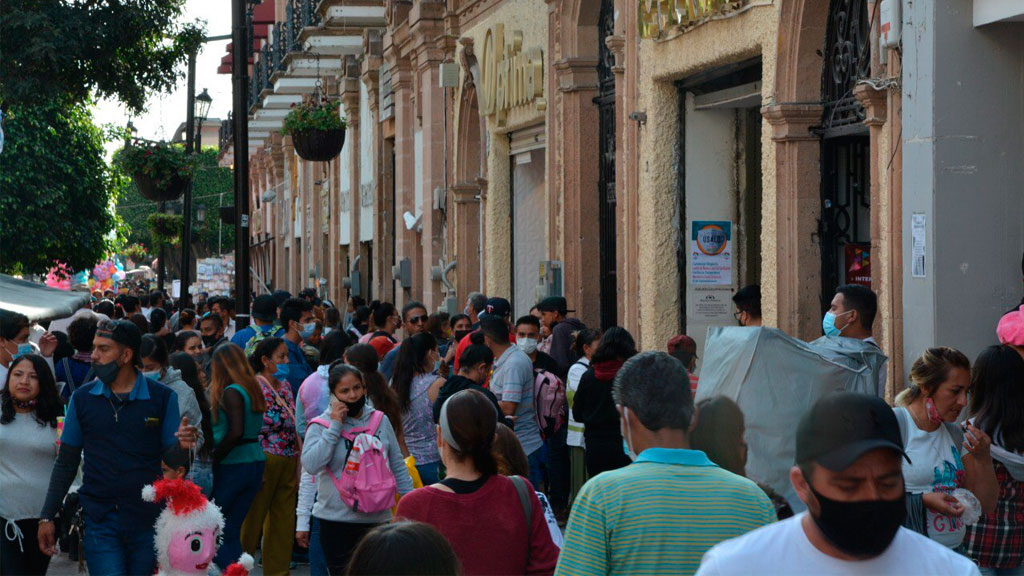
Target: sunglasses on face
{"x": 418, "y": 319}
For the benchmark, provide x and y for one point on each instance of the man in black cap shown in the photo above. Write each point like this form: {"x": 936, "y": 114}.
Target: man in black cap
{"x": 553, "y": 310}
{"x": 499, "y": 308}
{"x": 123, "y": 422}
{"x": 264, "y": 318}
{"x": 849, "y": 474}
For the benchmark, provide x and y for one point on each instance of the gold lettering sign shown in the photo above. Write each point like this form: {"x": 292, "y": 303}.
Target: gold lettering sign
{"x": 655, "y": 17}
{"x": 511, "y": 77}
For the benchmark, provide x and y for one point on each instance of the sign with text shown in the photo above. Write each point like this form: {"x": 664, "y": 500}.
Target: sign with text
{"x": 511, "y": 76}
{"x": 711, "y": 253}
{"x": 858, "y": 264}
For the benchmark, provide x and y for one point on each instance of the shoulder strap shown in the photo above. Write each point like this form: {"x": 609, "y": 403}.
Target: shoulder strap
{"x": 375, "y": 420}
{"x": 524, "y": 500}
{"x": 902, "y": 420}
{"x": 956, "y": 432}
{"x": 321, "y": 422}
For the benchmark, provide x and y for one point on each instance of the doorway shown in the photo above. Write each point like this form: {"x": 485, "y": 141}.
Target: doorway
{"x": 607, "y": 200}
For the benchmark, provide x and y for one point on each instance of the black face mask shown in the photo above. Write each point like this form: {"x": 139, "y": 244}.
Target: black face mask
{"x": 460, "y": 334}
{"x": 356, "y": 408}
{"x": 862, "y": 529}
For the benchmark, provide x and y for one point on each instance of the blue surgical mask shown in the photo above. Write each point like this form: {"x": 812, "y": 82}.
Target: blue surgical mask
{"x": 828, "y": 324}
{"x": 154, "y": 375}
{"x": 24, "y": 350}
{"x": 282, "y": 371}
{"x": 627, "y": 438}
{"x": 307, "y": 330}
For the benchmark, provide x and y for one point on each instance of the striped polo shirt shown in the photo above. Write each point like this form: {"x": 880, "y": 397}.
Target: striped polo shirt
{"x": 659, "y": 515}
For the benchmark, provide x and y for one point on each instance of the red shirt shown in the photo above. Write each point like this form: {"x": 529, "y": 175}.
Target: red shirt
{"x": 487, "y": 528}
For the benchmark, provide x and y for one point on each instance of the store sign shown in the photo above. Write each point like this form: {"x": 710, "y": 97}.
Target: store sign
{"x": 511, "y": 76}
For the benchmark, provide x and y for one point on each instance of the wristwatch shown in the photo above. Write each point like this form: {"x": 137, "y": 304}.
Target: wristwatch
{"x": 45, "y": 521}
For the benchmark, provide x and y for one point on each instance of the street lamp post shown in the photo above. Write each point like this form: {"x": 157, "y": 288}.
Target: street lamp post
{"x": 199, "y": 107}
{"x": 240, "y": 107}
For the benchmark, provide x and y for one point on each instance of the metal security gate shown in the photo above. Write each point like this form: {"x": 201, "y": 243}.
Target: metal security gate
{"x": 606, "y": 179}
{"x": 845, "y": 158}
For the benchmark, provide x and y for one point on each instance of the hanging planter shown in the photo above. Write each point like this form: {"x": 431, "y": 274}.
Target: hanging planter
{"x": 317, "y": 130}
{"x": 165, "y": 229}
{"x": 161, "y": 171}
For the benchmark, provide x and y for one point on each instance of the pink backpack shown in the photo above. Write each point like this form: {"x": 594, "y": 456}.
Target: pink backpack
{"x": 367, "y": 484}
{"x": 550, "y": 406}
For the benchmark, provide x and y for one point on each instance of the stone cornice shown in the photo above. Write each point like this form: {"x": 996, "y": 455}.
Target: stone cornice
{"x": 793, "y": 122}
{"x": 617, "y": 44}
{"x": 465, "y": 193}
{"x": 576, "y": 74}
{"x": 875, "y": 103}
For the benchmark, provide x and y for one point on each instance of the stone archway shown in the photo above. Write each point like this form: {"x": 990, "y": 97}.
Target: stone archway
{"x": 793, "y": 283}
{"x": 467, "y": 193}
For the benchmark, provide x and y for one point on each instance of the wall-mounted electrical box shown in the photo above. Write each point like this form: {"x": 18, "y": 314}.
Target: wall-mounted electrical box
{"x": 403, "y": 273}
{"x": 550, "y": 279}
{"x": 890, "y": 23}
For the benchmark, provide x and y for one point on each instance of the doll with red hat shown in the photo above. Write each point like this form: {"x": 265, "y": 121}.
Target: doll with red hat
{"x": 188, "y": 531}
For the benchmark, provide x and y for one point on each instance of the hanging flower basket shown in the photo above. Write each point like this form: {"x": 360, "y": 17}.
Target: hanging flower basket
{"x": 161, "y": 171}
{"x": 317, "y": 130}
{"x": 319, "y": 145}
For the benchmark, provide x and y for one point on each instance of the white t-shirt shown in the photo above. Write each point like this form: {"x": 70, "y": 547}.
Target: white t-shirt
{"x": 574, "y": 437}
{"x": 783, "y": 548}
{"x": 936, "y": 467}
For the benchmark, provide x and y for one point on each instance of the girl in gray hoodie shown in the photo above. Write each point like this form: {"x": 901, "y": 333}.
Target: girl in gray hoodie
{"x": 341, "y": 527}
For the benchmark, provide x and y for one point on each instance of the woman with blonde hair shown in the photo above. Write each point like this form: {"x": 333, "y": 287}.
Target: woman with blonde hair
{"x": 943, "y": 457}
{"x": 236, "y": 406}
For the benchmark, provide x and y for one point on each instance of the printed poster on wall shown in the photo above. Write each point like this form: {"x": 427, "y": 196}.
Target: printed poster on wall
{"x": 858, "y": 264}
{"x": 711, "y": 253}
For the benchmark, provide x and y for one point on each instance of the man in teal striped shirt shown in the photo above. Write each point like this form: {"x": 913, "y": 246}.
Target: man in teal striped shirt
{"x": 660, "y": 514}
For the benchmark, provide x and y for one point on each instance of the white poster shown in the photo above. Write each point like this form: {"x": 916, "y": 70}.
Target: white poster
{"x": 919, "y": 245}
{"x": 711, "y": 253}
{"x": 711, "y": 306}
{"x": 176, "y": 289}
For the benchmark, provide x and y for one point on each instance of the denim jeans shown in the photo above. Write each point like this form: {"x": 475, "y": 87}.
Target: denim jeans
{"x": 113, "y": 551}
{"x": 536, "y": 458}
{"x": 1018, "y": 571}
{"x": 428, "y": 473}
{"x": 234, "y": 488}
{"x": 317, "y": 561}
{"x": 557, "y": 463}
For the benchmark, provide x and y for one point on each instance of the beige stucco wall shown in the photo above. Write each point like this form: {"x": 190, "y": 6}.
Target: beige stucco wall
{"x": 531, "y": 18}
{"x": 715, "y": 43}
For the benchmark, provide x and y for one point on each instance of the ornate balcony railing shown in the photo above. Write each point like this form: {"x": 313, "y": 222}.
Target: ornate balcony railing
{"x": 226, "y": 134}
{"x": 657, "y": 18}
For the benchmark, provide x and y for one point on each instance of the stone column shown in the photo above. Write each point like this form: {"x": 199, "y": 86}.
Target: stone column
{"x": 350, "y": 97}
{"x": 406, "y": 244}
{"x": 791, "y": 278}
{"x": 466, "y": 204}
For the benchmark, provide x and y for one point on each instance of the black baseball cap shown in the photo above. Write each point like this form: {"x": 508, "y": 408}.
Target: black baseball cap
{"x": 843, "y": 426}
{"x": 553, "y": 304}
{"x": 496, "y": 308}
{"x": 281, "y": 296}
{"x": 264, "y": 308}
{"x": 121, "y": 331}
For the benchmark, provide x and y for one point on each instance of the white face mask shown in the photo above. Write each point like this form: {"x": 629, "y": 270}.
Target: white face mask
{"x": 627, "y": 436}
{"x": 527, "y": 345}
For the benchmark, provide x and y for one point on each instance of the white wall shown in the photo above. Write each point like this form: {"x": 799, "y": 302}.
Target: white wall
{"x": 710, "y": 188}
{"x": 529, "y": 227}
{"x": 367, "y": 167}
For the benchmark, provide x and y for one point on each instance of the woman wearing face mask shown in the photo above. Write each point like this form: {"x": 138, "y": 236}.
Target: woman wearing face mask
{"x": 29, "y": 407}
{"x": 416, "y": 386}
{"x": 593, "y": 406}
{"x": 325, "y": 449}
{"x": 483, "y": 514}
{"x": 996, "y": 542}
{"x": 14, "y": 333}
{"x": 237, "y": 407}
{"x": 379, "y": 395}
{"x": 461, "y": 327}
{"x": 944, "y": 457}
{"x": 584, "y": 345}
{"x": 155, "y": 367}
{"x": 273, "y": 511}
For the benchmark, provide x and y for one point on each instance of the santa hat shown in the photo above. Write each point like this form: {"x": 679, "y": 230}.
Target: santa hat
{"x": 240, "y": 568}
{"x": 1011, "y": 328}
{"x": 187, "y": 509}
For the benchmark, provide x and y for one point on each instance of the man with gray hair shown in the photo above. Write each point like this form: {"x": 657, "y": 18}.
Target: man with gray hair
{"x": 475, "y": 304}
{"x": 660, "y": 514}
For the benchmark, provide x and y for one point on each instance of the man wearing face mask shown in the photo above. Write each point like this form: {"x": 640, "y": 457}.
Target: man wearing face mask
{"x": 557, "y": 461}
{"x": 852, "y": 315}
{"x": 848, "y": 472}
{"x": 660, "y": 514}
{"x": 124, "y": 422}
{"x": 299, "y": 324}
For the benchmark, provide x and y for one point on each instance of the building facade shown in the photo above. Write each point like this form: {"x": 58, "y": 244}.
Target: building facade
{"x": 645, "y": 160}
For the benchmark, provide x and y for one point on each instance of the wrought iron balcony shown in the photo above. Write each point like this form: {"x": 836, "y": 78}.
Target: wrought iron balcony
{"x": 226, "y": 134}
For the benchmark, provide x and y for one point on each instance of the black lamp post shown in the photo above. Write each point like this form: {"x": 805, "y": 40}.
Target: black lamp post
{"x": 201, "y": 213}
{"x": 194, "y": 118}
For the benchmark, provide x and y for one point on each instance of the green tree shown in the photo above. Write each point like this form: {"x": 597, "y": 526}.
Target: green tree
{"x": 56, "y": 189}
{"x": 78, "y": 49}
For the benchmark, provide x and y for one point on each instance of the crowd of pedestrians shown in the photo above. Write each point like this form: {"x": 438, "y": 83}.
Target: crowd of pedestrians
{"x": 369, "y": 439}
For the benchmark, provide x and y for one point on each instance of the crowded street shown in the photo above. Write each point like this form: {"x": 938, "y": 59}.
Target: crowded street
{"x": 509, "y": 287}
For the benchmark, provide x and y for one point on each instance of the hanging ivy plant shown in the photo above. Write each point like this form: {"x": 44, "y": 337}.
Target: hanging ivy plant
{"x": 323, "y": 115}
{"x": 165, "y": 228}
{"x": 160, "y": 170}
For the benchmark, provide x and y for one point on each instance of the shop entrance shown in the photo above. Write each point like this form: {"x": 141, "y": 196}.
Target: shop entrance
{"x": 529, "y": 216}
{"x": 845, "y": 225}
